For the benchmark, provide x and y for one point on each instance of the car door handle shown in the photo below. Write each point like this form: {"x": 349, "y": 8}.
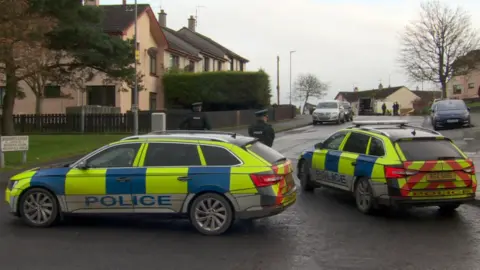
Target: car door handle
{"x": 354, "y": 163}
{"x": 123, "y": 179}
{"x": 184, "y": 178}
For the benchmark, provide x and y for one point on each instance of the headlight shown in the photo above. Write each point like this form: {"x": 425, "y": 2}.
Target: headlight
{"x": 11, "y": 184}
{"x": 467, "y": 114}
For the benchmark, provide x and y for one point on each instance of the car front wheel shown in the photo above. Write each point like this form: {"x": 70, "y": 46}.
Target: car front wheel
{"x": 38, "y": 207}
{"x": 305, "y": 181}
{"x": 211, "y": 214}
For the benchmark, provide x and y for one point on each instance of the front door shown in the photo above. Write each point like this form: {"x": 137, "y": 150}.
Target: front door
{"x": 325, "y": 162}
{"x": 168, "y": 182}
{"x": 354, "y": 161}
{"x": 106, "y": 184}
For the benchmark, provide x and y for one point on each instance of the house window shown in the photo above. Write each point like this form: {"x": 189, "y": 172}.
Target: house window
{"x": 206, "y": 64}
{"x": 2, "y": 94}
{"x": 153, "y": 101}
{"x": 101, "y": 95}
{"x": 471, "y": 85}
{"x": 241, "y": 66}
{"x": 191, "y": 66}
{"x": 457, "y": 89}
{"x": 153, "y": 64}
{"x": 52, "y": 91}
{"x": 174, "y": 61}
{"x": 219, "y": 66}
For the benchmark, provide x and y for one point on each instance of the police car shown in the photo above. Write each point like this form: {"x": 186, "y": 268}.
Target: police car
{"x": 212, "y": 178}
{"x": 390, "y": 163}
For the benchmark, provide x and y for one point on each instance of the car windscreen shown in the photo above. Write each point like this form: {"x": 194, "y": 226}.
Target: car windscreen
{"x": 267, "y": 153}
{"x": 327, "y": 105}
{"x": 451, "y": 105}
{"x": 420, "y": 150}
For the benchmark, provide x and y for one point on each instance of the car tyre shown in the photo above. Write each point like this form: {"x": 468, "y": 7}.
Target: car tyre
{"x": 39, "y": 208}
{"x": 211, "y": 214}
{"x": 364, "y": 198}
{"x": 448, "y": 208}
{"x": 305, "y": 181}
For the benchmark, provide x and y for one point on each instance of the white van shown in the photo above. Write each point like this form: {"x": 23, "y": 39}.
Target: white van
{"x": 329, "y": 111}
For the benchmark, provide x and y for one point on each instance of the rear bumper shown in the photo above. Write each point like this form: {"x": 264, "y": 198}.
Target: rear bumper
{"x": 402, "y": 201}
{"x": 267, "y": 211}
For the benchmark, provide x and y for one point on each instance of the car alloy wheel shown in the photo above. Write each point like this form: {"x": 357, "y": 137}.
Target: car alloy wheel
{"x": 364, "y": 196}
{"x": 211, "y": 214}
{"x": 38, "y": 208}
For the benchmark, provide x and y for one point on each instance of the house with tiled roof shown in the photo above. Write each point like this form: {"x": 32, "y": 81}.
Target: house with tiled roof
{"x": 118, "y": 20}
{"x": 465, "y": 84}
{"x": 387, "y": 95}
{"x": 216, "y": 57}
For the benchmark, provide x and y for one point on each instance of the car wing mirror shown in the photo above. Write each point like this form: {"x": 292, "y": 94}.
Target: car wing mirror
{"x": 82, "y": 165}
{"x": 468, "y": 108}
{"x": 319, "y": 145}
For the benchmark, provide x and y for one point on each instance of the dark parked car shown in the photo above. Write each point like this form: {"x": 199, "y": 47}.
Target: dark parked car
{"x": 450, "y": 112}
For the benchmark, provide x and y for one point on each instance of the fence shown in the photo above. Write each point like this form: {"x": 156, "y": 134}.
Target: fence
{"x": 123, "y": 123}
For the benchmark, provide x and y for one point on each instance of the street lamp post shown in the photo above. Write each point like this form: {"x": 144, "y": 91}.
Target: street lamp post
{"x": 291, "y": 52}
{"x": 135, "y": 88}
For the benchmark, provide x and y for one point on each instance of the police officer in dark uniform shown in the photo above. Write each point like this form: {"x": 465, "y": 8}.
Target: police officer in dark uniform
{"x": 261, "y": 130}
{"x": 196, "y": 120}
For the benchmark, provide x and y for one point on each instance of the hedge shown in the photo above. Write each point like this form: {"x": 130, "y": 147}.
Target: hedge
{"x": 223, "y": 90}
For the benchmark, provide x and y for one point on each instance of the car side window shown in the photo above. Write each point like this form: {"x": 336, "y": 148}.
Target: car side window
{"x": 357, "y": 143}
{"x": 122, "y": 155}
{"x": 334, "y": 142}
{"x": 172, "y": 154}
{"x": 218, "y": 156}
{"x": 376, "y": 148}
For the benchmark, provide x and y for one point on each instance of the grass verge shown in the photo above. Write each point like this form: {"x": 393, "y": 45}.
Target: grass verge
{"x": 46, "y": 148}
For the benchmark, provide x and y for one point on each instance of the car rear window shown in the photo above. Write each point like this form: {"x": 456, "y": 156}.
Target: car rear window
{"x": 267, "y": 153}
{"x": 418, "y": 150}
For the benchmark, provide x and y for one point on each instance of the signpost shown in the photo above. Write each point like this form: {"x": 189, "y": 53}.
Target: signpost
{"x": 13, "y": 144}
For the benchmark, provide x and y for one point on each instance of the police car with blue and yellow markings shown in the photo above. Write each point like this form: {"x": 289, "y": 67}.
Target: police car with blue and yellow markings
{"x": 212, "y": 178}
{"x": 390, "y": 163}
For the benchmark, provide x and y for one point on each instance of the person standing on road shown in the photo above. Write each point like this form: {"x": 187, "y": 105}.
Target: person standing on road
{"x": 261, "y": 129}
{"x": 394, "y": 108}
{"x": 196, "y": 120}
{"x": 384, "y": 108}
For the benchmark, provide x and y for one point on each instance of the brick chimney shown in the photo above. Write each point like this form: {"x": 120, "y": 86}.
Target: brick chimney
{"x": 355, "y": 89}
{"x": 191, "y": 23}
{"x": 162, "y": 18}
{"x": 91, "y": 2}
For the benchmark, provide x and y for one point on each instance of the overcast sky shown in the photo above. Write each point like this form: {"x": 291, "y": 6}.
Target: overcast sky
{"x": 343, "y": 42}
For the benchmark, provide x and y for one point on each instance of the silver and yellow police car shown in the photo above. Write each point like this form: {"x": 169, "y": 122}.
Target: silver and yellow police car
{"x": 391, "y": 163}
{"x": 210, "y": 177}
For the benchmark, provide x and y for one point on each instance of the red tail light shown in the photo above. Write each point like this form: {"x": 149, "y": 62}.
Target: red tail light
{"x": 397, "y": 172}
{"x": 471, "y": 169}
{"x": 265, "y": 180}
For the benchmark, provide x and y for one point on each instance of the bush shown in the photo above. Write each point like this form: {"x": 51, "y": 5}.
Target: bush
{"x": 218, "y": 90}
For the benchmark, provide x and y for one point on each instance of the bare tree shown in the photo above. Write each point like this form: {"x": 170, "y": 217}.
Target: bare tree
{"x": 307, "y": 86}
{"x": 431, "y": 44}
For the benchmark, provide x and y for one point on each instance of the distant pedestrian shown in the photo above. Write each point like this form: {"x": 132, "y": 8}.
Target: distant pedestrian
{"x": 384, "y": 109}
{"x": 394, "y": 108}
{"x": 261, "y": 129}
{"x": 196, "y": 120}
{"x": 398, "y": 107}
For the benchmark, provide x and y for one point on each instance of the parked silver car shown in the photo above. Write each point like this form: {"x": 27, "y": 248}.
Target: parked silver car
{"x": 329, "y": 111}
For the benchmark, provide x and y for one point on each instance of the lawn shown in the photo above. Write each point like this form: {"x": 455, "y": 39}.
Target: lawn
{"x": 45, "y": 148}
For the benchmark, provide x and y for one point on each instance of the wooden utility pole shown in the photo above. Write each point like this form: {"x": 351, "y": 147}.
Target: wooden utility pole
{"x": 278, "y": 80}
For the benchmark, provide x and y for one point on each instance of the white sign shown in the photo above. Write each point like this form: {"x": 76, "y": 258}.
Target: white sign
{"x": 14, "y": 143}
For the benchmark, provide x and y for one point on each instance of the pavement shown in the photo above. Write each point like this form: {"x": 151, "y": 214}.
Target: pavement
{"x": 322, "y": 230}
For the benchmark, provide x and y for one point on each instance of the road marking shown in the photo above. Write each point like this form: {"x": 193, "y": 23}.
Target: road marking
{"x": 468, "y": 139}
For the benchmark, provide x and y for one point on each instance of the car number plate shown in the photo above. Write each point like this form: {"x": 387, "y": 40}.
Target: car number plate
{"x": 440, "y": 192}
{"x": 441, "y": 176}
{"x": 452, "y": 121}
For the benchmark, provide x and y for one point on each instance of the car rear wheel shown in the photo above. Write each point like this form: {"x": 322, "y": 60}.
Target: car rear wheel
{"x": 211, "y": 214}
{"x": 449, "y": 208}
{"x": 38, "y": 207}
{"x": 364, "y": 196}
{"x": 305, "y": 181}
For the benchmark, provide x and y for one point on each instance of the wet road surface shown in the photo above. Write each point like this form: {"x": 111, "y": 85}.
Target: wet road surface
{"x": 322, "y": 230}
